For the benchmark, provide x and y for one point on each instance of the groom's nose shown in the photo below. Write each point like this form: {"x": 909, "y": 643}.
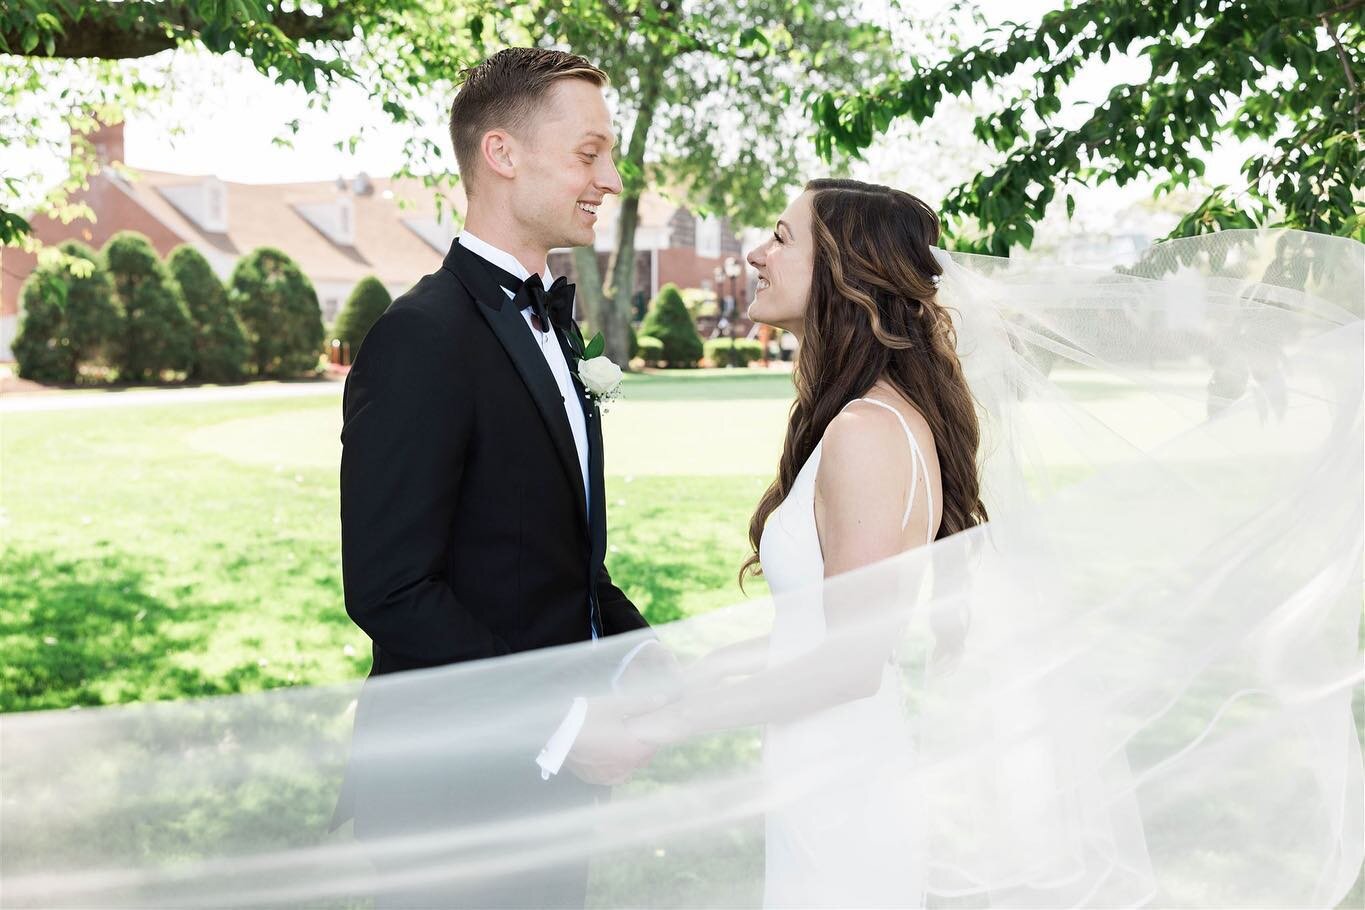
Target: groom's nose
{"x": 610, "y": 181}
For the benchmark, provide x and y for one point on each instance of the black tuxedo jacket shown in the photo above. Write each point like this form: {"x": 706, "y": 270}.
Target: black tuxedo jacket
{"x": 465, "y": 530}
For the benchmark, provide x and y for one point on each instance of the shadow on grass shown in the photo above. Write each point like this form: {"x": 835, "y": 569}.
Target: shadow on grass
{"x": 656, "y": 586}
{"x": 91, "y": 632}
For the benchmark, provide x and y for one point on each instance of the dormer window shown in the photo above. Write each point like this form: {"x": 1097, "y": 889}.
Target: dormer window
{"x": 204, "y": 202}
{"x": 708, "y": 238}
{"x": 345, "y": 216}
{"x": 215, "y": 206}
{"x": 335, "y": 219}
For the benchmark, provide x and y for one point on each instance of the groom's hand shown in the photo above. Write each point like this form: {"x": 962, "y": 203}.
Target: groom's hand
{"x": 605, "y": 752}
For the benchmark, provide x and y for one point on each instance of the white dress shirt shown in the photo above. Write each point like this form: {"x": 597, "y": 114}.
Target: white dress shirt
{"x": 554, "y": 355}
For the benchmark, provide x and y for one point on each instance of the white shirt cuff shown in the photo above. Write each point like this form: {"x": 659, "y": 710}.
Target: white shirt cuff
{"x": 551, "y": 758}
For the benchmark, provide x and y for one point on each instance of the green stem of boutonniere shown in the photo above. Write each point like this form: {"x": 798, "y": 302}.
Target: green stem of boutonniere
{"x": 573, "y": 340}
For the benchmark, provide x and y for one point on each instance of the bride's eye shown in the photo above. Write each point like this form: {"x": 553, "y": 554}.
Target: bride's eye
{"x": 777, "y": 238}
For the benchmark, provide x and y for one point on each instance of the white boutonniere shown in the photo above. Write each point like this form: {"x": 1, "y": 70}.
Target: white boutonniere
{"x": 599, "y": 375}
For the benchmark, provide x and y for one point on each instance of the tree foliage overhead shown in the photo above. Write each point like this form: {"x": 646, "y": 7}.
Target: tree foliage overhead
{"x": 1288, "y": 72}
{"x": 400, "y": 51}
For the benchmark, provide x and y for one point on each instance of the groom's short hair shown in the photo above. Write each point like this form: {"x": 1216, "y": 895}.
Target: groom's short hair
{"x": 506, "y": 91}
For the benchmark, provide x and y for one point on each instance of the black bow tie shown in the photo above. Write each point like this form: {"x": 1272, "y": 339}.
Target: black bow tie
{"x": 553, "y": 306}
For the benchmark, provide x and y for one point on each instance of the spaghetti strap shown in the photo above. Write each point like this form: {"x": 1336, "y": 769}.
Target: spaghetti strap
{"x": 917, "y": 463}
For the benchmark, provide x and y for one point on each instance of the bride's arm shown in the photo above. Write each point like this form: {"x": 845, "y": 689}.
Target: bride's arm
{"x": 860, "y": 491}
{"x": 743, "y": 658}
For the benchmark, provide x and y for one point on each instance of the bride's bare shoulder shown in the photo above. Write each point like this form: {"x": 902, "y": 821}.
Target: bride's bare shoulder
{"x": 863, "y": 449}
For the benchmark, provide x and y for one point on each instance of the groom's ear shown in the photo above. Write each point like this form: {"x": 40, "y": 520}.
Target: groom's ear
{"x": 496, "y": 149}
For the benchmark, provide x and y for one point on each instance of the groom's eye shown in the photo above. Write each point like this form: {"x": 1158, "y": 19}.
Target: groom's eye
{"x": 589, "y": 156}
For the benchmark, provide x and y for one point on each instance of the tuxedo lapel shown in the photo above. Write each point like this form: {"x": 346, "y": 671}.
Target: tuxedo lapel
{"x": 592, "y": 418}
{"x": 598, "y": 512}
{"x": 515, "y": 336}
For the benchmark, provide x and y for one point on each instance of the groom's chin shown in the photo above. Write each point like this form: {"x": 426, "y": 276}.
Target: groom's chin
{"x": 577, "y": 235}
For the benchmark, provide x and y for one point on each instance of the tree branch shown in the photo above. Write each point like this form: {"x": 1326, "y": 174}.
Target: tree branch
{"x": 139, "y": 29}
{"x": 1341, "y": 53}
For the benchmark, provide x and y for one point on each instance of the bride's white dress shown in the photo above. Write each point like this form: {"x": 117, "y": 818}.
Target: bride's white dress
{"x": 854, "y": 842}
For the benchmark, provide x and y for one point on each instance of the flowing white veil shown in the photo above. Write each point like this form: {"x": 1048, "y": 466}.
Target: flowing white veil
{"x": 1132, "y": 687}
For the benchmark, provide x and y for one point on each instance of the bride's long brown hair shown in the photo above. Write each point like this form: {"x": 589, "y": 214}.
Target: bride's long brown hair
{"x": 872, "y": 314}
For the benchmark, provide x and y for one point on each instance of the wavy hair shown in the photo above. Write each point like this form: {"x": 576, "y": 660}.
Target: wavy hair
{"x": 872, "y": 314}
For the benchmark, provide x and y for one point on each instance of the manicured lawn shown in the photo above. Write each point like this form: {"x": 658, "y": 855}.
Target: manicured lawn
{"x": 166, "y": 550}
{"x": 169, "y": 551}
{"x": 712, "y": 385}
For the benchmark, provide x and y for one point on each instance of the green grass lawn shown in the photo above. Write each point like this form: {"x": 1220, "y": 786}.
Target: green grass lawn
{"x": 170, "y": 551}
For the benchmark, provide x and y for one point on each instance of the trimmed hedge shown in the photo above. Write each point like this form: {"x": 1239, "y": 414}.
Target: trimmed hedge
{"x": 157, "y": 334}
{"x": 219, "y": 340}
{"x": 669, "y": 322}
{"x": 722, "y": 353}
{"x": 279, "y": 309}
{"x": 68, "y": 319}
{"x": 367, "y": 302}
{"x": 42, "y": 349}
{"x": 650, "y": 349}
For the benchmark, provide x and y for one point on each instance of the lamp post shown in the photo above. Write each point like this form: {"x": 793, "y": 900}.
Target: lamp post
{"x": 733, "y": 269}
{"x": 718, "y": 276}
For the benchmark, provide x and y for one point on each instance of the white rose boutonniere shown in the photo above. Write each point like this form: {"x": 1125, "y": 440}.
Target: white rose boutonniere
{"x": 599, "y": 375}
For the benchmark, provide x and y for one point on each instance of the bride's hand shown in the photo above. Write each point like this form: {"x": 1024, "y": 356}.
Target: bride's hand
{"x": 653, "y": 729}
{"x": 707, "y": 670}
{"x": 739, "y": 659}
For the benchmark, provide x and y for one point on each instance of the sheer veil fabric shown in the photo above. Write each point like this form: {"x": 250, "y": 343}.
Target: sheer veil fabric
{"x": 1132, "y": 687}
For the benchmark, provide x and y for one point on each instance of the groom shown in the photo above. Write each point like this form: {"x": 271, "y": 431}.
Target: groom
{"x": 472, "y": 501}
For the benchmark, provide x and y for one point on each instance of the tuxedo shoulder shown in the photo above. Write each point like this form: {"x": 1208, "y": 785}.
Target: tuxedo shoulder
{"x": 438, "y": 300}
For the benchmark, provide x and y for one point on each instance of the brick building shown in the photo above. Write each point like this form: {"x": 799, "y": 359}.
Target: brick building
{"x": 338, "y": 231}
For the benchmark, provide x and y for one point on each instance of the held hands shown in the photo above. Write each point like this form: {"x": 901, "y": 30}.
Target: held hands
{"x": 671, "y": 724}
{"x": 606, "y": 751}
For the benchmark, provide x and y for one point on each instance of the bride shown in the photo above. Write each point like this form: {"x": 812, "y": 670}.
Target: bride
{"x": 880, "y": 457}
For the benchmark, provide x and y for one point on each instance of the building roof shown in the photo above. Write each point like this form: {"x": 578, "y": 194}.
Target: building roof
{"x": 269, "y": 215}
{"x": 388, "y": 242}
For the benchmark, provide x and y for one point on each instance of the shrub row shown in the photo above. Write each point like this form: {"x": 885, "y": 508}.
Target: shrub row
{"x": 141, "y": 319}
{"x": 739, "y": 352}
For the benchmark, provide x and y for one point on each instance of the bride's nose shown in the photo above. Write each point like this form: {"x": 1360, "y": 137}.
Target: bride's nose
{"x": 755, "y": 258}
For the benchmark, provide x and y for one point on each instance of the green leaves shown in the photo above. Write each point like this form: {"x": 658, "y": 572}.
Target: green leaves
{"x": 12, "y": 228}
{"x": 1211, "y": 75}
{"x": 595, "y": 347}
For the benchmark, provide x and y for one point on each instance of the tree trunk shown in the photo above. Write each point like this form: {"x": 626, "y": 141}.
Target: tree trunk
{"x": 617, "y": 312}
{"x": 588, "y": 279}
